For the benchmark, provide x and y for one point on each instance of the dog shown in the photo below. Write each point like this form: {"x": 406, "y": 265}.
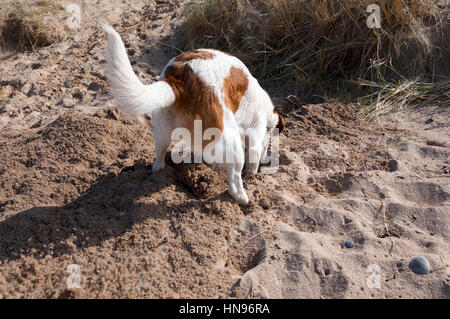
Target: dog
{"x": 205, "y": 84}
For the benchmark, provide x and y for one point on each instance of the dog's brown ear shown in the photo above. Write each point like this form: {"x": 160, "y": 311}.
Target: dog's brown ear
{"x": 280, "y": 124}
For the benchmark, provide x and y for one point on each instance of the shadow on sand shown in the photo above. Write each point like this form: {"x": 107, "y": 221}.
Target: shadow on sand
{"x": 108, "y": 209}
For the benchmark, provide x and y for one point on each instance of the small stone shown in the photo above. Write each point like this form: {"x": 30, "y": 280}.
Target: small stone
{"x": 68, "y": 80}
{"x": 27, "y": 89}
{"x": 420, "y": 266}
{"x": 264, "y": 203}
{"x": 349, "y": 244}
{"x": 68, "y": 103}
{"x": 6, "y": 91}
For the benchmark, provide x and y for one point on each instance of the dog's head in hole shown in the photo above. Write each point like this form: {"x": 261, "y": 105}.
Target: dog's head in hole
{"x": 207, "y": 95}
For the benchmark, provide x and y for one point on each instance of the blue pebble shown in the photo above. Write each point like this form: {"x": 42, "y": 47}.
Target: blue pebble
{"x": 349, "y": 244}
{"x": 420, "y": 266}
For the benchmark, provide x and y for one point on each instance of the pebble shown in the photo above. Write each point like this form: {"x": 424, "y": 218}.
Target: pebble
{"x": 68, "y": 103}
{"x": 67, "y": 81}
{"x": 27, "y": 89}
{"x": 349, "y": 244}
{"x": 420, "y": 265}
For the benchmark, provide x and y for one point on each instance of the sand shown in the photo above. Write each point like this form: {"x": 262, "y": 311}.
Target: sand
{"x": 76, "y": 188}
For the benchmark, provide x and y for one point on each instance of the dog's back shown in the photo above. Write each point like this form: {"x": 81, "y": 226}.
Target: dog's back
{"x": 230, "y": 81}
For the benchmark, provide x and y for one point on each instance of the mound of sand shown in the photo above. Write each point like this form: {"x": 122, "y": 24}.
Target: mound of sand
{"x": 76, "y": 188}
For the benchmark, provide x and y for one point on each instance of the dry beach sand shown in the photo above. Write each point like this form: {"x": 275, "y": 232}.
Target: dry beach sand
{"x": 76, "y": 188}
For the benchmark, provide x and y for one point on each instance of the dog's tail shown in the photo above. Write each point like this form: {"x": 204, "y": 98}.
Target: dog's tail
{"x": 131, "y": 95}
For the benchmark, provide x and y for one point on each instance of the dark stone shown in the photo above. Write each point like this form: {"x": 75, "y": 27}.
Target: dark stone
{"x": 420, "y": 266}
{"x": 349, "y": 244}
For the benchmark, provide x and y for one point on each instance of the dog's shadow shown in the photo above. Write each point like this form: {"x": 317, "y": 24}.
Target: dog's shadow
{"x": 108, "y": 209}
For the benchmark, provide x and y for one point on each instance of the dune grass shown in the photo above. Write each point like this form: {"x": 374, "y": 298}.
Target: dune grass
{"x": 318, "y": 43}
{"x": 390, "y": 97}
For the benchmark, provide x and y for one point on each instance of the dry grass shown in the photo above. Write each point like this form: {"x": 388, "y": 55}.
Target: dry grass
{"x": 27, "y": 25}
{"x": 318, "y": 42}
{"x": 406, "y": 93}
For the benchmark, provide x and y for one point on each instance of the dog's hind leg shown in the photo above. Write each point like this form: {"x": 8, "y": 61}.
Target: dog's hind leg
{"x": 233, "y": 163}
{"x": 256, "y": 148}
{"x": 162, "y": 126}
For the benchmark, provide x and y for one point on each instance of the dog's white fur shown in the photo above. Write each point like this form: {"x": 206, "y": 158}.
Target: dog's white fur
{"x": 255, "y": 116}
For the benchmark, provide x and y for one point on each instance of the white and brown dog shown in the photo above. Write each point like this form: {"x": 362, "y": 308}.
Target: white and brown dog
{"x": 207, "y": 85}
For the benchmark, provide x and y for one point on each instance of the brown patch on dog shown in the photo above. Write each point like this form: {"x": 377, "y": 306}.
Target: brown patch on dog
{"x": 192, "y": 55}
{"x": 194, "y": 99}
{"x": 280, "y": 124}
{"x": 235, "y": 86}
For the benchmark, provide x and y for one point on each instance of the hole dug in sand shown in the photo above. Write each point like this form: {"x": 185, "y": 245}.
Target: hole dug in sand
{"x": 28, "y": 26}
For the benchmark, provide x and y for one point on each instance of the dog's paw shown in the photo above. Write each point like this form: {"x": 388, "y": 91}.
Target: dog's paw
{"x": 243, "y": 199}
{"x": 240, "y": 196}
{"x": 253, "y": 169}
{"x": 157, "y": 166}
